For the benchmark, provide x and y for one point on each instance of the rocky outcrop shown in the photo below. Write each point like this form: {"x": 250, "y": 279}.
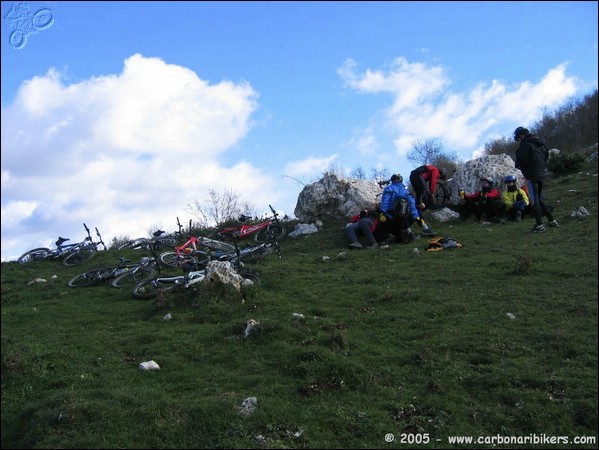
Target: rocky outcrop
{"x": 334, "y": 196}
{"x": 468, "y": 175}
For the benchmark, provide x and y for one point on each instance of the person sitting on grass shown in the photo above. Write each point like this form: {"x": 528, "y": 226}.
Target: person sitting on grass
{"x": 365, "y": 223}
{"x": 483, "y": 202}
{"x": 513, "y": 201}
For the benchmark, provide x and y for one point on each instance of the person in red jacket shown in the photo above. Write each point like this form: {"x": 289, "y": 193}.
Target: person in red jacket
{"x": 364, "y": 223}
{"x": 424, "y": 183}
{"x": 484, "y": 202}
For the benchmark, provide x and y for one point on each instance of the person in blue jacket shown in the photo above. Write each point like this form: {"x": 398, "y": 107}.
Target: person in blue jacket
{"x": 399, "y": 212}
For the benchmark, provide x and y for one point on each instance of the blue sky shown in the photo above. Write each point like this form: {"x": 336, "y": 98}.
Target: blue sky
{"x": 122, "y": 114}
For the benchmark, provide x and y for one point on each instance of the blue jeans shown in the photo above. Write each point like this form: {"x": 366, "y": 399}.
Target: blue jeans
{"x": 362, "y": 226}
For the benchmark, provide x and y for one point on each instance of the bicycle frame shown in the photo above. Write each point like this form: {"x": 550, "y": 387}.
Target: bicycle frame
{"x": 150, "y": 288}
{"x": 184, "y": 281}
{"x": 191, "y": 245}
{"x": 62, "y": 250}
{"x": 93, "y": 276}
{"x": 238, "y": 233}
{"x": 157, "y": 242}
{"x": 245, "y": 230}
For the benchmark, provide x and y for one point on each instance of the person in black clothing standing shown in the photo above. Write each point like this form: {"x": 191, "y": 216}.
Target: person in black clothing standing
{"x": 531, "y": 158}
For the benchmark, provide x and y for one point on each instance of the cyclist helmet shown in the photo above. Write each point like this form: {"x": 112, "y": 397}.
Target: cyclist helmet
{"x": 396, "y": 178}
{"x": 518, "y": 131}
{"x": 488, "y": 180}
{"x": 509, "y": 179}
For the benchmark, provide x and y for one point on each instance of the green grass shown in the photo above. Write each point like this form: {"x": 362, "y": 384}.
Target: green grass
{"x": 391, "y": 342}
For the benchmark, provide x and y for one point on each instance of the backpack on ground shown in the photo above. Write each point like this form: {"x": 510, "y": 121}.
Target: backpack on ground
{"x": 442, "y": 243}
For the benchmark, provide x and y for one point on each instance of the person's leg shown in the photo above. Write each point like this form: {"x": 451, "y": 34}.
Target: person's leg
{"x": 407, "y": 235}
{"x": 419, "y": 186}
{"x": 365, "y": 225}
{"x": 502, "y": 212}
{"x": 545, "y": 210}
{"x": 352, "y": 229}
{"x": 537, "y": 204}
{"x": 478, "y": 211}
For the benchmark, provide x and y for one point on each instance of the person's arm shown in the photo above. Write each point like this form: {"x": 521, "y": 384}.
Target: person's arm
{"x": 522, "y": 155}
{"x": 472, "y": 196}
{"x": 413, "y": 208}
{"x": 494, "y": 193}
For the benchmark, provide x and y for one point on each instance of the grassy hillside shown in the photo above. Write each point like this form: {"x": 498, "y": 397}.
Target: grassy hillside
{"x": 495, "y": 340}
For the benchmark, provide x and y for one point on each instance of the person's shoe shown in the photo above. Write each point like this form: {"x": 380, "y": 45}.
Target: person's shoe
{"x": 407, "y": 236}
{"x": 428, "y": 232}
{"x": 355, "y": 245}
{"x": 373, "y": 245}
{"x": 503, "y": 220}
{"x": 538, "y": 229}
{"x": 553, "y": 224}
{"x": 518, "y": 216}
{"x": 389, "y": 240}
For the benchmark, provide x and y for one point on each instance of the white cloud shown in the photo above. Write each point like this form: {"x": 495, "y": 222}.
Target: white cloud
{"x": 309, "y": 166}
{"x": 422, "y": 106}
{"x": 122, "y": 151}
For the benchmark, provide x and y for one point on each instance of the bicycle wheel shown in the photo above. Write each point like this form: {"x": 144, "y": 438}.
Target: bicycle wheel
{"x": 216, "y": 244}
{"x": 133, "y": 277}
{"x": 37, "y": 254}
{"x": 219, "y": 241}
{"x": 251, "y": 255}
{"x": 79, "y": 256}
{"x": 254, "y": 277}
{"x": 169, "y": 259}
{"x": 151, "y": 288}
{"x": 89, "y": 278}
{"x": 164, "y": 242}
{"x": 273, "y": 232}
{"x": 133, "y": 244}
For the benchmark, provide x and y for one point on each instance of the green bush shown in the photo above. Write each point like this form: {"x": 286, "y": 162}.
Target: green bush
{"x": 566, "y": 163}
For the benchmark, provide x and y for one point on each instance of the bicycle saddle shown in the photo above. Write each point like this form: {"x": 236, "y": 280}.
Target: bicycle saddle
{"x": 61, "y": 241}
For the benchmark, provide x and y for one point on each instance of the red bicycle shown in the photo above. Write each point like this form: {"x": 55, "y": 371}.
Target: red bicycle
{"x": 265, "y": 232}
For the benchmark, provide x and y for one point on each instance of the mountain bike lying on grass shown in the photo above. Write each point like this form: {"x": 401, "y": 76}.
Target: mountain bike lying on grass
{"x": 216, "y": 250}
{"x": 266, "y": 231}
{"x": 123, "y": 275}
{"x": 149, "y": 289}
{"x": 194, "y": 263}
{"x": 158, "y": 242}
{"x": 71, "y": 254}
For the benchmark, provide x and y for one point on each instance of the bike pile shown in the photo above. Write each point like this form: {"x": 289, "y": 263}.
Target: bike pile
{"x": 195, "y": 257}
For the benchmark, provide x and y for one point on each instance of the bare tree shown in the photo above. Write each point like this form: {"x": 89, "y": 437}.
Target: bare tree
{"x": 447, "y": 160}
{"x": 380, "y": 174}
{"x": 505, "y": 145}
{"x": 358, "y": 173}
{"x": 424, "y": 152}
{"x": 219, "y": 208}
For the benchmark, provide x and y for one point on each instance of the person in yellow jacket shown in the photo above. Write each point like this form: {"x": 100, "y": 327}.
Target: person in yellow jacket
{"x": 514, "y": 201}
